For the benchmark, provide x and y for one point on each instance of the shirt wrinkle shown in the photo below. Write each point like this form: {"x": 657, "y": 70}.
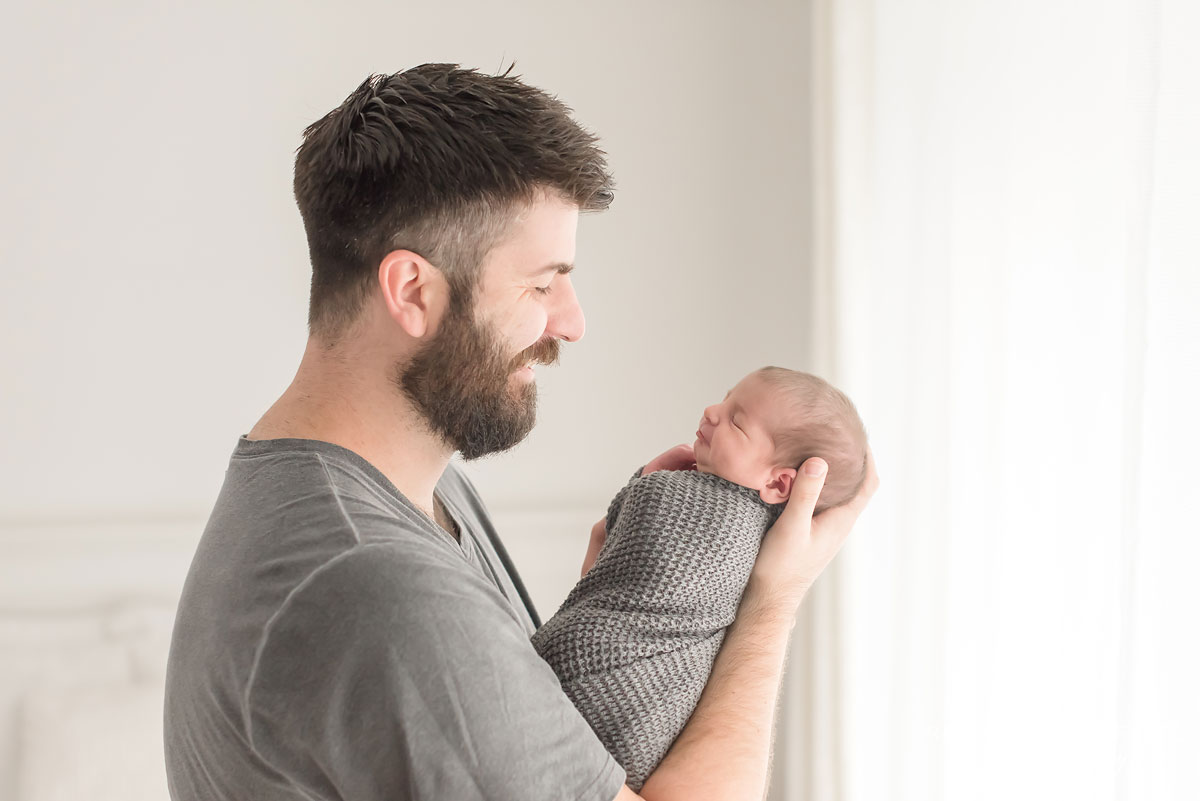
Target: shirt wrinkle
{"x": 337, "y": 496}
{"x": 266, "y": 633}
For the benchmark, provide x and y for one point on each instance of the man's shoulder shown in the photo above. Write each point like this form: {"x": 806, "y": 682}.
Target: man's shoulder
{"x": 374, "y": 593}
{"x": 373, "y": 582}
{"x": 293, "y": 484}
{"x": 375, "y": 598}
{"x": 289, "y": 521}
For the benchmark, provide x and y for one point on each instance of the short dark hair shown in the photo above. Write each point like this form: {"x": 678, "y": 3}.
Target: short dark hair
{"x": 438, "y": 160}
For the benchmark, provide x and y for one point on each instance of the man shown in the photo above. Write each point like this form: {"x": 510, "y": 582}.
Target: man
{"x": 350, "y": 627}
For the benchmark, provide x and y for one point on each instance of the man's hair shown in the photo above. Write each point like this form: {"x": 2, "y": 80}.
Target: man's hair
{"x": 438, "y": 160}
{"x": 817, "y": 419}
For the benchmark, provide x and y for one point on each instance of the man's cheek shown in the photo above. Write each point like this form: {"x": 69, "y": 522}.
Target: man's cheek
{"x": 530, "y": 332}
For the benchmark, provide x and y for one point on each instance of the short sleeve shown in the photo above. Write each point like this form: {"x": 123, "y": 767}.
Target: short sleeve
{"x": 392, "y": 674}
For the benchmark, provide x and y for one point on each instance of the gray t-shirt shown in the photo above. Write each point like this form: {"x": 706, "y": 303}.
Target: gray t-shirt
{"x": 332, "y": 642}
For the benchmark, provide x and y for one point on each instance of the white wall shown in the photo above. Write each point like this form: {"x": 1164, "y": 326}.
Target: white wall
{"x": 154, "y": 277}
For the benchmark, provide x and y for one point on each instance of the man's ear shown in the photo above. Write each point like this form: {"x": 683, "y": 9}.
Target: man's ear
{"x": 779, "y": 486}
{"x": 414, "y": 290}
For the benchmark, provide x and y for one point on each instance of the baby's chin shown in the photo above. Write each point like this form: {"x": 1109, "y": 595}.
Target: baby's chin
{"x": 702, "y": 463}
{"x": 702, "y": 468}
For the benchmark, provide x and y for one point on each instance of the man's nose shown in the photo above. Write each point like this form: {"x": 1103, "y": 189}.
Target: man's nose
{"x": 566, "y": 317}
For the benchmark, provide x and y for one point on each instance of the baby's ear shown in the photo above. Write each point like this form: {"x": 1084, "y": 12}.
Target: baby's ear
{"x": 779, "y": 485}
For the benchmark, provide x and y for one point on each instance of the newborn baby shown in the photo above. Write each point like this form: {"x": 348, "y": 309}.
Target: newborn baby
{"x": 635, "y": 640}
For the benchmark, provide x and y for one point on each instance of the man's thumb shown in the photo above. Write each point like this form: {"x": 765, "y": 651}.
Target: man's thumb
{"x": 809, "y": 482}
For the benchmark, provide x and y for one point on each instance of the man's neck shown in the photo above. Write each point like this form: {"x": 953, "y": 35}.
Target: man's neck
{"x": 325, "y": 401}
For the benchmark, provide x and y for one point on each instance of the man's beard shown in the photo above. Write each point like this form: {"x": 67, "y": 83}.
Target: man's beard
{"x": 460, "y": 382}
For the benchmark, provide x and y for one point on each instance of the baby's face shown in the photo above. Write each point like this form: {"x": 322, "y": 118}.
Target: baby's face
{"x": 734, "y": 439}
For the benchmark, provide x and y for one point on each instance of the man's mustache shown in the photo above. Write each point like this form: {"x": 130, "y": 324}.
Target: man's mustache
{"x": 543, "y": 352}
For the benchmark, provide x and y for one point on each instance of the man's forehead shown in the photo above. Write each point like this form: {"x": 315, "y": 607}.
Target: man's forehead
{"x": 541, "y": 243}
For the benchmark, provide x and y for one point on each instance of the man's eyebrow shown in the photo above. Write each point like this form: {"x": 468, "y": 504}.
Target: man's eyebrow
{"x": 562, "y": 268}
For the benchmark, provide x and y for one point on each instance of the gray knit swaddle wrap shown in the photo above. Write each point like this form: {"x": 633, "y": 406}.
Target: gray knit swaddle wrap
{"x": 634, "y": 642}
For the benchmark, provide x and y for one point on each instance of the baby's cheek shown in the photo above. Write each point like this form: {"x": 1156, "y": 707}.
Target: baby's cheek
{"x": 724, "y": 462}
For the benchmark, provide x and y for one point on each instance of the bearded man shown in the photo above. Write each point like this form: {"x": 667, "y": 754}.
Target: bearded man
{"x": 351, "y": 627}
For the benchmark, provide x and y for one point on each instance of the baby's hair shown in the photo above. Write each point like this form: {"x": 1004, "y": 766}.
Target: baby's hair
{"x": 819, "y": 420}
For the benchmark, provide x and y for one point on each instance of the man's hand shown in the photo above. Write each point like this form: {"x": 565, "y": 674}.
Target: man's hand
{"x": 599, "y": 533}
{"x": 681, "y": 457}
{"x": 799, "y": 546}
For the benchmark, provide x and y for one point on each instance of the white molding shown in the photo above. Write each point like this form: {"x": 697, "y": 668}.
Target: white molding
{"x": 65, "y": 566}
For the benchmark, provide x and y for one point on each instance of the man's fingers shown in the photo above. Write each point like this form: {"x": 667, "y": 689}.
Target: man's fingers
{"x": 842, "y": 518}
{"x": 869, "y": 485}
{"x": 595, "y": 544}
{"x": 681, "y": 457}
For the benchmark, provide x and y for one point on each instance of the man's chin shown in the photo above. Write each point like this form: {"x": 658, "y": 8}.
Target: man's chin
{"x": 499, "y": 438}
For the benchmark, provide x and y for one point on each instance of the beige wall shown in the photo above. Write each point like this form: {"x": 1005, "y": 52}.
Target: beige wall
{"x": 154, "y": 279}
{"x": 155, "y": 275}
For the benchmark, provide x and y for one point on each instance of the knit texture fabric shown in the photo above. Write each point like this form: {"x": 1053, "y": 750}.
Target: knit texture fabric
{"x": 635, "y": 640}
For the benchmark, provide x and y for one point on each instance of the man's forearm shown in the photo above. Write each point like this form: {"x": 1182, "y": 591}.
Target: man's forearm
{"x": 724, "y": 751}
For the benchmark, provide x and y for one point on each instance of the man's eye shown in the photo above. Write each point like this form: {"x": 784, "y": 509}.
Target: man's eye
{"x": 542, "y": 290}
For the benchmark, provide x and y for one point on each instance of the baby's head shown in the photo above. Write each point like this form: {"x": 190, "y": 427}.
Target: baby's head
{"x": 770, "y": 423}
